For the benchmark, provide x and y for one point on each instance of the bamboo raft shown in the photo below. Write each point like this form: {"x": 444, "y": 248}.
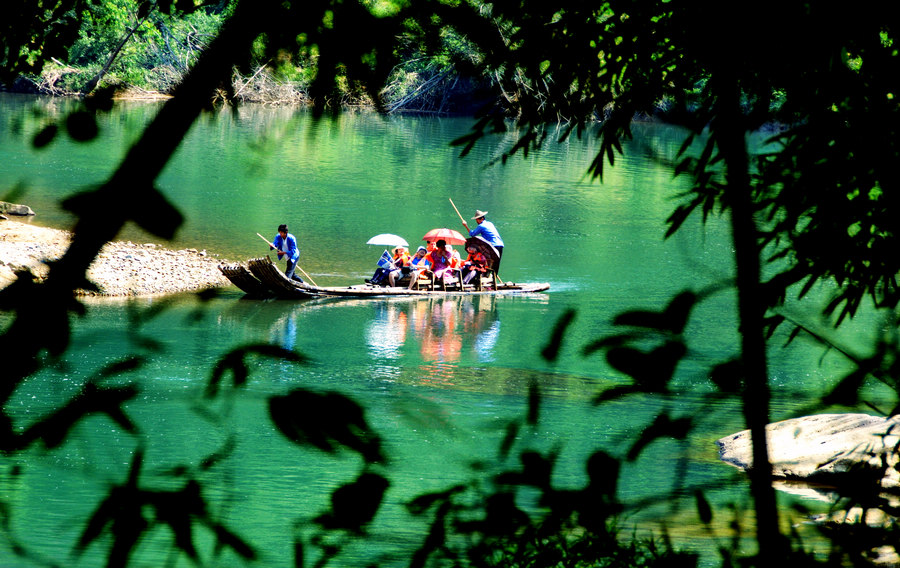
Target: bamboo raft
{"x": 261, "y": 278}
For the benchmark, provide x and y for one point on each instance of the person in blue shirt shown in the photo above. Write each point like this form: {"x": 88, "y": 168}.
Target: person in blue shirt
{"x": 487, "y": 231}
{"x": 286, "y": 244}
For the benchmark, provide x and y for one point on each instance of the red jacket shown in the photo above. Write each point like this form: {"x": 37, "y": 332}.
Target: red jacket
{"x": 477, "y": 261}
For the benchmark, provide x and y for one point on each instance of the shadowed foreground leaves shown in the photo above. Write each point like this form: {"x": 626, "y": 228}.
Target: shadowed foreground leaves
{"x": 92, "y": 399}
{"x": 327, "y": 421}
{"x": 130, "y": 512}
{"x": 236, "y": 363}
{"x": 354, "y": 505}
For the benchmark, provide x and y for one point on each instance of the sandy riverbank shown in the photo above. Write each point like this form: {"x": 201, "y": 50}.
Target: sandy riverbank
{"x": 122, "y": 269}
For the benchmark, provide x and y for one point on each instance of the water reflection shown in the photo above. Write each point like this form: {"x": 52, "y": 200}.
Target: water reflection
{"x": 386, "y": 333}
{"x": 429, "y": 333}
{"x": 440, "y": 329}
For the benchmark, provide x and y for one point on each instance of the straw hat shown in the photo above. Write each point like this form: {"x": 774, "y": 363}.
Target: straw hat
{"x": 479, "y": 214}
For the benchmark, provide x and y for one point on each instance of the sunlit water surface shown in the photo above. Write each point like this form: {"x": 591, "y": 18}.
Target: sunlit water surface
{"x": 440, "y": 379}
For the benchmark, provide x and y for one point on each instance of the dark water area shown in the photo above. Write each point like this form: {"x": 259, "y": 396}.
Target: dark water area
{"x": 440, "y": 379}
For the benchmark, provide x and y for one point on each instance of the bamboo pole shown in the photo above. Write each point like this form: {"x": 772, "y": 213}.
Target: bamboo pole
{"x": 466, "y": 225}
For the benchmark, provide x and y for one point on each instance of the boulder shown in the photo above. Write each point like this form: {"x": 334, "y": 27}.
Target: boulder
{"x": 824, "y": 447}
{"x": 14, "y": 209}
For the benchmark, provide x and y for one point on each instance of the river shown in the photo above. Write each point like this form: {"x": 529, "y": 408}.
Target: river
{"x": 440, "y": 380}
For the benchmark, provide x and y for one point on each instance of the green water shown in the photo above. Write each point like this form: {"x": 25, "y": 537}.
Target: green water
{"x": 440, "y": 379}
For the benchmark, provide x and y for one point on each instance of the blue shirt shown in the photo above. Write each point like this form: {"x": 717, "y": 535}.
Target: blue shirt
{"x": 487, "y": 231}
{"x": 415, "y": 261}
{"x": 287, "y": 246}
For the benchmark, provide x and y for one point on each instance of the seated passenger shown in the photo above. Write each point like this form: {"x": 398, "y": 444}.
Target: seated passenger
{"x": 455, "y": 259}
{"x": 440, "y": 262}
{"x": 400, "y": 256}
{"x": 475, "y": 264}
{"x": 416, "y": 264}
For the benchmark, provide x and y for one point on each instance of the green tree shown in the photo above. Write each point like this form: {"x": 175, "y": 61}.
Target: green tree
{"x": 35, "y": 32}
{"x": 821, "y": 203}
{"x": 140, "y": 41}
{"x": 701, "y": 65}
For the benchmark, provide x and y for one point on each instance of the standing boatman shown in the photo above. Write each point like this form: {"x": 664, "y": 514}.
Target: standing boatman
{"x": 286, "y": 244}
{"x": 487, "y": 231}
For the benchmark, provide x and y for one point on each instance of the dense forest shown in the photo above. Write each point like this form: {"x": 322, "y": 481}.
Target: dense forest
{"x": 143, "y": 51}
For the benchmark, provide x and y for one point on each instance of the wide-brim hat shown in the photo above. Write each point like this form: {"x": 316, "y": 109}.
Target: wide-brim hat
{"x": 479, "y": 214}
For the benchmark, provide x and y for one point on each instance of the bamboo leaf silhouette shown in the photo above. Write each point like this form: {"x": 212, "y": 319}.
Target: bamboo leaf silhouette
{"x": 355, "y": 504}
{"x": 325, "y": 421}
{"x": 424, "y": 502}
{"x": 615, "y": 393}
{"x": 603, "y": 474}
{"x": 607, "y": 342}
{"x": 92, "y": 399}
{"x": 651, "y": 371}
{"x": 82, "y": 126}
{"x": 121, "y": 511}
{"x": 704, "y": 511}
{"x": 220, "y": 455}
{"x": 551, "y": 351}
{"x": 534, "y": 403}
{"x": 45, "y": 136}
{"x": 132, "y": 363}
{"x": 663, "y": 426}
{"x": 129, "y": 511}
{"x": 728, "y": 376}
{"x": 512, "y": 431}
{"x": 157, "y": 215}
{"x": 846, "y": 392}
{"x": 299, "y": 553}
{"x": 673, "y": 318}
{"x": 536, "y": 471}
{"x": 235, "y": 362}
{"x": 227, "y": 538}
{"x": 436, "y": 538}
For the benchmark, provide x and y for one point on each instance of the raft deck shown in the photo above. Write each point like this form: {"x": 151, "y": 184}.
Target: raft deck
{"x": 261, "y": 278}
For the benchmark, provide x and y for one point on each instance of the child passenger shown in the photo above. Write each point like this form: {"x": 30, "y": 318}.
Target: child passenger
{"x": 417, "y": 263}
{"x": 476, "y": 263}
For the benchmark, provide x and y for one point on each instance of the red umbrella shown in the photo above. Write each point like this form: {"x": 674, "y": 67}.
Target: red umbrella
{"x": 452, "y": 237}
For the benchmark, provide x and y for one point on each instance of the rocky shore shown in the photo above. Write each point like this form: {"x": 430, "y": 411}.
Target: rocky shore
{"x": 123, "y": 268}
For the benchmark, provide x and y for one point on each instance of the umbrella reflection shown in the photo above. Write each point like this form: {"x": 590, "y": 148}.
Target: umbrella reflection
{"x": 386, "y": 333}
{"x": 442, "y": 330}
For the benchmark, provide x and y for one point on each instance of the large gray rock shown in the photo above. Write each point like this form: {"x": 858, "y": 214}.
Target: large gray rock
{"x": 822, "y": 447}
{"x": 14, "y": 209}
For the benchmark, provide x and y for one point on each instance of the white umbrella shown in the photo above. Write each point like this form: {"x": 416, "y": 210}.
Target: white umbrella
{"x": 388, "y": 240}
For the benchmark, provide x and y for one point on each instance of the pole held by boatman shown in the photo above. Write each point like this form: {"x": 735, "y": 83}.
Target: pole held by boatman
{"x": 286, "y": 245}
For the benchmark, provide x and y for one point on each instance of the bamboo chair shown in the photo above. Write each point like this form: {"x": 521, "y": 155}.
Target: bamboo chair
{"x": 425, "y": 279}
{"x": 487, "y": 280}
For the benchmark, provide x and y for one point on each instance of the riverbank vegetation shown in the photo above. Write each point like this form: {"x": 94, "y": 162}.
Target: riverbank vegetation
{"x": 141, "y": 50}
{"x": 821, "y": 206}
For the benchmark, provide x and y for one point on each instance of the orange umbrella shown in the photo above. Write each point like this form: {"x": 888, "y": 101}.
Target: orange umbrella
{"x": 452, "y": 237}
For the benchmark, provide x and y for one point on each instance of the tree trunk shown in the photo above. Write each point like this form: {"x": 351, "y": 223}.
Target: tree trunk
{"x": 731, "y": 139}
{"x": 103, "y": 212}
